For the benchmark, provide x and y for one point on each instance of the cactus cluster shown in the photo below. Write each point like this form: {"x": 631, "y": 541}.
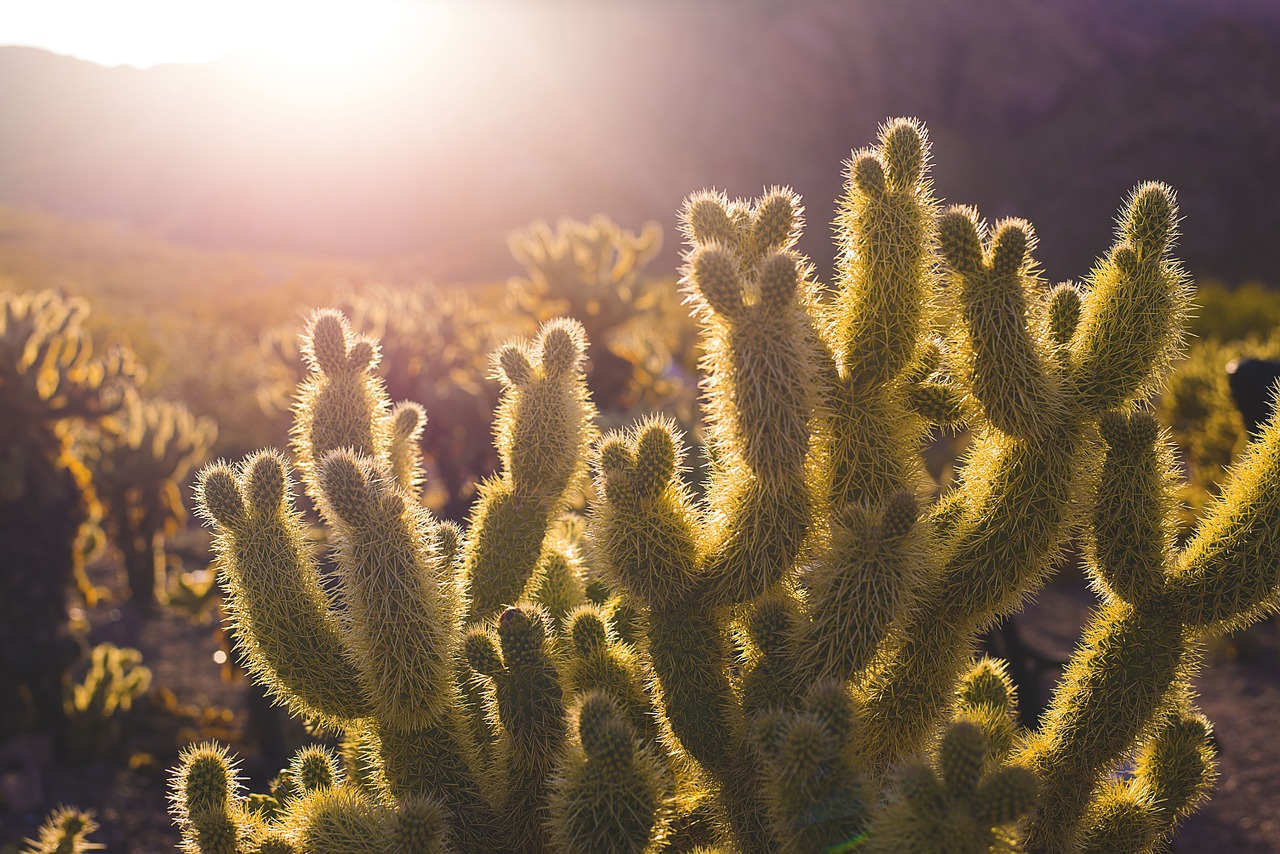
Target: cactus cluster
{"x": 595, "y": 272}
{"x": 435, "y": 344}
{"x": 786, "y": 662}
{"x": 138, "y": 458}
{"x": 97, "y": 707}
{"x": 50, "y": 383}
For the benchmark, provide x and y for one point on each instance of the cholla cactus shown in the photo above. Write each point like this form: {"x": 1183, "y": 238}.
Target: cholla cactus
{"x": 65, "y": 831}
{"x": 435, "y": 344}
{"x": 785, "y": 664}
{"x": 1202, "y": 416}
{"x": 137, "y": 459}
{"x": 49, "y": 381}
{"x": 594, "y": 271}
{"x": 97, "y": 707}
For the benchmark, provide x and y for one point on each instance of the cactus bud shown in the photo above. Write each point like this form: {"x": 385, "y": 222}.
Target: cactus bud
{"x": 521, "y": 636}
{"x": 514, "y": 365}
{"x": 708, "y": 220}
{"x": 1010, "y": 246}
{"x": 779, "y": 278}
{"x": 219, "y": 496}
{"x": 482, "y": 653}
{"x": 905, "y": 152}
{"x": 900, "y": 515}
{"x": 563, "y": 344}
{"x": 314, "y": 768}
{"x": 960, "y": 241}
{"x": 1149, "y": 221}
{"x": 963, "y": 750}
{"x": 655, "y": 460}
{"x": 326, "y": 341}
{"x": 345, "y": 487}
{"x": 266, "y": 486}
{"x": 868, "y": 174}
{"x": 777, "y": 223}
{"x": 1064, "y": 313}
{"x": 714, "y": 270}
{"x": 588, "y": 630}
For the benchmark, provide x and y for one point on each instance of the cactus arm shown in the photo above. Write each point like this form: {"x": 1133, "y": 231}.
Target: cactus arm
{"x": 1130, "y": 659}
{"x": 885, "y": 228}
{"x": 749, "y": 290}
{"x": 401, "y": 625}
{"x": 275, "y": 596}
{"x": 860, "y": 586}
{"x": 1133, "y": 310}
{"x": 1229, "y": 573}
{"x": 1021, "y": 495}
{"x": 543, "y": 425}
{"x": 407, "y": 421}
{"x": 607, "y": 787}
{"x": 1006, "y": 364}
{"x": 341, "y": 404}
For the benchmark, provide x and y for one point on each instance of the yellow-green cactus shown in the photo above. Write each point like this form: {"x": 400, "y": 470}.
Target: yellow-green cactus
{"x": 97, "y": 707}
{"x": 138, "y": 458}
{"x": 784, "y": 661}
{"x": 51, "y": 384}
{"x": 64, "y": 831}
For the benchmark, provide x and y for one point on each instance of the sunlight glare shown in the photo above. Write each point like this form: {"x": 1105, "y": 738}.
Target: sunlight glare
{"x": 324, "y": 46}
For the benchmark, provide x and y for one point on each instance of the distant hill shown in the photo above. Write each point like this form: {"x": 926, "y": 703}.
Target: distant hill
{"x": 1048, "y": 109}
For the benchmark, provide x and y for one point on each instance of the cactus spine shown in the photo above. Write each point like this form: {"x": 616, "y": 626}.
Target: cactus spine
{"x": 784, "y": 664}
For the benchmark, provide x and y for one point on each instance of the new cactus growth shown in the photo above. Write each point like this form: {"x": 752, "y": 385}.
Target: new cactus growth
{"x": 784, "y": 664}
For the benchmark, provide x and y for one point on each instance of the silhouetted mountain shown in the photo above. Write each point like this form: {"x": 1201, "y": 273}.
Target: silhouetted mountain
{"x": 1048, "y": 110}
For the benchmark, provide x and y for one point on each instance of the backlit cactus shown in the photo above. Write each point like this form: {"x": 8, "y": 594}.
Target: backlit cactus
{"x": 138, "y": 460}
{"x": 595, "y": 272}
{"x": 64, "y": 831}
{"x": 97, "y": 707}
{"x": 784, "y": 663}
{"x": 50, "y": 382}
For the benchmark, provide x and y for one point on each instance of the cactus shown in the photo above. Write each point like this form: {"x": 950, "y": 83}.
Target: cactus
{"x": 64, "y": 831}
{"x": 49, "y": 381}
{"x": 595, "y": 272}
{"x": 435, "y": 344}
{"x": 138, "y": 458}
{"x": 97, "y": 707}
{"x": 784, "y": 663}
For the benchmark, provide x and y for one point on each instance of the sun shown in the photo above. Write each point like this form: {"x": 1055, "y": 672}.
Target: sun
{"x": 337, "y": 44}
{"x": 324, "y": 41}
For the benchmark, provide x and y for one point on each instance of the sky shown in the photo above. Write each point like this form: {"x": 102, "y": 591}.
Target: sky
{"x": 305, "y": 34}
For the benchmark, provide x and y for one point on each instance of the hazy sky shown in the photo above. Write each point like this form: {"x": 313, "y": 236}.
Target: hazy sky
{"x": 148, "y": 32}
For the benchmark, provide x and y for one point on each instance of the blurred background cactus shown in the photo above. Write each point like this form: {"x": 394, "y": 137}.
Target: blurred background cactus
{"x": 784, "y": 663}
{"x": 595, "y": 272}
{"x": 50, "y": 383}
{"x": 98, "y": 706}
{"x": 64, "y": 831}
{"x": 139, "y": 458}
{"x": 1204, "y": 412}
